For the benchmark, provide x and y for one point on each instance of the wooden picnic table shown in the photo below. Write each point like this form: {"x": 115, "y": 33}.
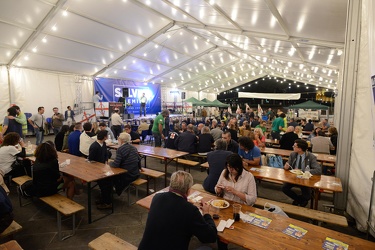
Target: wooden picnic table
{"x": 167, "y": 154}
{"x": 250, "y": 236}
{"x": 88, "y": 172}
{"x": 284, "y": 152}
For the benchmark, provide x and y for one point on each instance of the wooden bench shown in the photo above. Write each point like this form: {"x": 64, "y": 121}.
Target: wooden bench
{"x": 135, "y": 184}
{"x": 188, "y": 163}
{"x": 319, "y": 216}
{"x": 109, "y": 241}
{"x": 14, "y": 227}
{"x": 10, "y": 245}
{"x": 65, "y": 206}
{"x": 151, "y": 174}
{"x": 19, "y": 181}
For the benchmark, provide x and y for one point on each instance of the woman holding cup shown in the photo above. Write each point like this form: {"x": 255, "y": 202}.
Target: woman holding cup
{"x": 235, "y": 184}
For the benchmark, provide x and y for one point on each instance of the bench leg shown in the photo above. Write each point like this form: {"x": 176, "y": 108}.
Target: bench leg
{"x": 59, "y": 226}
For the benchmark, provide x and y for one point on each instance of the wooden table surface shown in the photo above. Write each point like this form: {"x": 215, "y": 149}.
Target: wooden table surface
{"x": 166, "y": 153}
{"x": 10, "y": 245}
{"x": 285, "y": 152}
{"x": 253, "y": 237}
{"x": 80, "y": 168}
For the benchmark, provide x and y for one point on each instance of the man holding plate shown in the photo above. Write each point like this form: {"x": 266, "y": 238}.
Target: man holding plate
{"x": 300, "y": 159}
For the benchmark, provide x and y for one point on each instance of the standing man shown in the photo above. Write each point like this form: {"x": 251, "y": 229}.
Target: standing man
{"x": 143, "y": 101}
{"x": 172, "y": 220}
{"x": 277, "y": 126}
{"x": 57, "y": 120}
{"x": 69, "y": 116}
{"x": 97, "y": 98}
{"x": 300, "y": 159}
{"x": 37, "y": 121}
{"x": 157, "y": 128}
{"x": 116, "y": 123}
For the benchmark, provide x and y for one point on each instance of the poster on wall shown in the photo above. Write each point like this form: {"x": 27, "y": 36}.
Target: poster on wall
{"x": 113, "y": 89}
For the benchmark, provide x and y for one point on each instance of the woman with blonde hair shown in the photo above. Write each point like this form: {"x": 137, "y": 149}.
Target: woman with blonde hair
{"x": 298, "y": 131}
{"x": 259, "y": 138}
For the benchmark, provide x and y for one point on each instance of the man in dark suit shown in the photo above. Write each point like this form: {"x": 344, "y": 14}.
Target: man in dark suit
{"x": 301, "y": 159}
{"x": 187, "y": 141}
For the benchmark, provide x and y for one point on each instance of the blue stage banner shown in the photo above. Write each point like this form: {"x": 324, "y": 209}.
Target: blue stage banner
{"x": 112, "y": 90}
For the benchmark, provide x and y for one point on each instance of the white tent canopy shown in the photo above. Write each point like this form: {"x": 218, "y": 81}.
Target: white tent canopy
{"x": 206, "y": 45}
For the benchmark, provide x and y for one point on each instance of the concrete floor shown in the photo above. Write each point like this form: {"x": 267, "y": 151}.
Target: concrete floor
{"x": 40, "y": 229}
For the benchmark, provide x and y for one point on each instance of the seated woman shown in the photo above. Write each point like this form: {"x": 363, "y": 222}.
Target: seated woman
{"x": 314, "y": 133}
{"x": 46, "y": 175}
{"x": 235, "y": 184}
{"x": 9, "y": 151}
{"x": 59, "y": 139}
{"x": 233, "y": 132}
{"x": 205, "y": 141}
{"x": 298, "y": 131}
{"x": 259, "y": 139}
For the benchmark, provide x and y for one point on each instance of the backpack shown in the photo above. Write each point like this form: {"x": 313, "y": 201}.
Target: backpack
{"x": 275, "y": 161}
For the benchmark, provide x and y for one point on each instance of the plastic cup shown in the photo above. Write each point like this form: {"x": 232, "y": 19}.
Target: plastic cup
{"x": 67, "y": 161}
{"x": 215, "y": 212}
{"x": 236, "y": 212}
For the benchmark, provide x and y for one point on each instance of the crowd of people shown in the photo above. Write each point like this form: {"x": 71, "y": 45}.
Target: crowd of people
{"x": 231, "y": 144}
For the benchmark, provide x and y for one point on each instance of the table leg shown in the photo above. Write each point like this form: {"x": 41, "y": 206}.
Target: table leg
{"x": 165, "y": 171}
{"x": 89, "y": 202}
{"x": 316, "y": 198}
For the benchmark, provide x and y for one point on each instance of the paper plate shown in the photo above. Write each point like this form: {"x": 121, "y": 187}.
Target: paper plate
{"x": 220, "y": 203}
{"x": 296, "y": 171}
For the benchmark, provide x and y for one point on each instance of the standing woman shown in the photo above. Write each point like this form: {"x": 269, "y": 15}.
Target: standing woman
{"x": 235, "y": 184}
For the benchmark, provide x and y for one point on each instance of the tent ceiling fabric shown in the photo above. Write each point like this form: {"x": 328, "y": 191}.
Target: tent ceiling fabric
{"x": 202, "y": 45}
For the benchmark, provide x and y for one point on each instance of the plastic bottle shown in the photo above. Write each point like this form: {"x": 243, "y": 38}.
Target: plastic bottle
{"x": 29, "y": 146}
{"x": 307, "y": 169}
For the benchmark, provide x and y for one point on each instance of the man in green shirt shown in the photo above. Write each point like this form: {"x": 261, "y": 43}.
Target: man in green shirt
{"x": 277, "y": 126}
{"x": 262, "y": 126}
{"x": 157, "y": 128}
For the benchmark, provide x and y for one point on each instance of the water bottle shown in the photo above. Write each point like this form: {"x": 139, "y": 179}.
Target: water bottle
{"x": 307, "y": 169}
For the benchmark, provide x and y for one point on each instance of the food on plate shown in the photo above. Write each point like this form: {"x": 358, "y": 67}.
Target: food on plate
{"x": 220, "y": 203}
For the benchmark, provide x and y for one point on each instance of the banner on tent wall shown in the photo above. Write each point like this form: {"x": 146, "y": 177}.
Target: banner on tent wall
{"x": 112, "y": 90}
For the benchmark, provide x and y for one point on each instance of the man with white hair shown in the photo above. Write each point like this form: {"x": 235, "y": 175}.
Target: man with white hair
{"x": 287, "y": 140}
{"x": 172, "y": 220}
{"x": 127, "y": 157}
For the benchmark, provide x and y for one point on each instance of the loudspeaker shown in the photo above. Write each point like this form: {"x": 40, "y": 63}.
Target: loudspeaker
{"x": 125, "y": 92}
{"x": 121, "y": 99}
{"x": 183, "y": 95}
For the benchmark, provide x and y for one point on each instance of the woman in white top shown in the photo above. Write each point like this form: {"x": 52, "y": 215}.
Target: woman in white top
{"x": 235, "y": 183}
{"x": 9, "y": 151}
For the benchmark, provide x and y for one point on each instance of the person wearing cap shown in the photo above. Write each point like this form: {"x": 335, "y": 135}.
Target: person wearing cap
{"x": 127, "y": 157}
{"x": 116, "y": 123}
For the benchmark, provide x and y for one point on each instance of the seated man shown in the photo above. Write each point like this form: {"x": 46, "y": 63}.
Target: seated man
{"x": 103, "y": 126}
{"x": 172, "y": 220}
{"x": 249, "y": 153}
{"x": 288, "y": 139}
{"x": 127, "y": 157}
{"x": 86, "y": 139}
{"x": 232, "y": 145}
{"x": 135, "y": 138}
{"x": 73, "y": 140}
{"x": 321, "y": 144}
{"x": 143, "y": 126}
{"x": 217, "y": 160}
{"x": 187, "y": 141}
{"x": 98, "y": 150}
{"x": 300, "y": 159}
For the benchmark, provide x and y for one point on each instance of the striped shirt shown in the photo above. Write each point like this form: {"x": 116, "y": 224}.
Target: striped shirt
{"x": 127, "y": 157}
